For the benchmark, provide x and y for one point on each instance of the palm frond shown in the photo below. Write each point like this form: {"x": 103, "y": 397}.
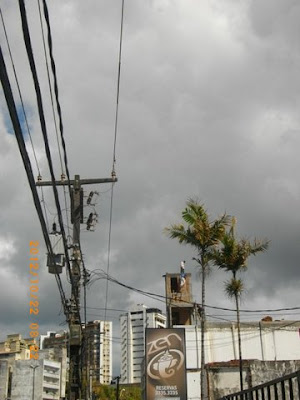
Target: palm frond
{"x": 198, "y": 231}
{"x": 234, "y": 287}
{"x": 194, "y": 212}
{"x": 183, "y": 235}
{"x": 233, "y": 255}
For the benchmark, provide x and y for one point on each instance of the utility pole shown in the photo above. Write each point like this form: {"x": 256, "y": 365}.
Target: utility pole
{"x": 75, "y": 338}
{"x": 117, "y": 381}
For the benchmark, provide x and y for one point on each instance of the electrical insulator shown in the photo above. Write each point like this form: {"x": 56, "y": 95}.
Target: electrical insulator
{"x": 89, "y": 221}
{"x": 90, "y": 198}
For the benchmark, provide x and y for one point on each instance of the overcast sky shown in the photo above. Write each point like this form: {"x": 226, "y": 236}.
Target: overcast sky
{"x": 209, "y": 108}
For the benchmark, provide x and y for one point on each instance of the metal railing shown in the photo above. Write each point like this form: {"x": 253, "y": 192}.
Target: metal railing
{"x": 285, "y": 388}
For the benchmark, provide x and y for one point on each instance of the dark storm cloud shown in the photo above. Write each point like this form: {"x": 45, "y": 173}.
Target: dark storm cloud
{"x": 209, "y": 102}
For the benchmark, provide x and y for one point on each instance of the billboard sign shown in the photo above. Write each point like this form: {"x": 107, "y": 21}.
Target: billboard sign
{"x": 165, "y": 364}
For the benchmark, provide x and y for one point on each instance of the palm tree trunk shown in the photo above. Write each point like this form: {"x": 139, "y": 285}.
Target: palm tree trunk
{"x": 203, "y": 332}
{"x": 239, "y": 339}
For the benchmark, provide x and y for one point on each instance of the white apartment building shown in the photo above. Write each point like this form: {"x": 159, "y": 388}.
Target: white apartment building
{"x": 133, "y": 325}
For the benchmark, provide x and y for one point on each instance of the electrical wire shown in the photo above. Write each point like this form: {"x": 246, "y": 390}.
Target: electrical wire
{"x": 52, "y": 99}
{"x": 28, "y": 46}
{"x": 18, "y": 129}
{"x": 19, "y": 90}
{"x": 114, "y": 152}
{"x": 27, "y": 165}
{"x": 118, "y": 88}
{"x": 103, "y": 275}
{"x": 23, "y": 108}
{"x": 49, "y": 85}
{"x": 61, "y": 127}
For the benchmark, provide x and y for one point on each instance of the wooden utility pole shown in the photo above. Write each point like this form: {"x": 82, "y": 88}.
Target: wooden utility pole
{"x": 75, "y": 339}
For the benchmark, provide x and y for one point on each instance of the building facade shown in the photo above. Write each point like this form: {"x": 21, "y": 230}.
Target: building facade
{"x": 99, "y": 350}
{"x": 19, "y": 373}
{"x": 16, "y": 347}
{"x": 179, "y": 300}
{"x": 39, "y": 379}
{"x": 133, "y": 325}
{"x": 54, "y": 340}
{"x": 12, "y": 349}
{"x": 261, "y": 340}
{"x": 269, "y": 348}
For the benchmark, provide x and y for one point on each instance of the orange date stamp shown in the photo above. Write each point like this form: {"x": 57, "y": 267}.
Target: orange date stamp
{"x": 34, "y": 296}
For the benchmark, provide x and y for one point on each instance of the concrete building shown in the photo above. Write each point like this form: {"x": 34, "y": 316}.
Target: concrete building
{"x": 266, "y": 341}
{"x": 179, "y": 301}
{"x": 54, "y": 346}
{"x": 40, "y": 378}
{"x": 12, "y": 349}
{"x": 16, "y": 366}
{"x": 99, "y": 350}
{"x": 133, "y": 325}
{"x": 54, "y": 340}
{"x": 58, "y": 354}
{"x": 16, "y": 347}
{"x": 269, "y": 348}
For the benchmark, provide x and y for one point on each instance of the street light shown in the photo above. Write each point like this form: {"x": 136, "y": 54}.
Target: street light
{"x": 33, "y": 378}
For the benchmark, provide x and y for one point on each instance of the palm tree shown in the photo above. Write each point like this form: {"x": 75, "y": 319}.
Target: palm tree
{"x": 204, "y": 235}
{"x": 233, "y": 257}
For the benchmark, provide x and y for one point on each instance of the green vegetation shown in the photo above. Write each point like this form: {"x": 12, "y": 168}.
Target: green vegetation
{"x": 233, "y": 257}
{"x": 204, "y": 235}
{"x": 126, "y": 392}
{"x": 215, "y": 246}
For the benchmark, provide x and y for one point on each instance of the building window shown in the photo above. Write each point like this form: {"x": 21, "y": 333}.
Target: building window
{"x": 174, "y": 285}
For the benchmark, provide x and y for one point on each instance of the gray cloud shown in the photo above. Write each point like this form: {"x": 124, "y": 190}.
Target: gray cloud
{"x": 209, "y": 102}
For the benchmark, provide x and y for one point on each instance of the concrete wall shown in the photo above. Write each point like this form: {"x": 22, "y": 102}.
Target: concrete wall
{"x": 265, "y": 341}
{"x": 193, "y": 384}
{"x": 22, "y": 380}
{"x": 3, "y": 379}
{"x": 269, "y": 341}
{"x": 262, "y": 372}
{"x": 224, "y": 379}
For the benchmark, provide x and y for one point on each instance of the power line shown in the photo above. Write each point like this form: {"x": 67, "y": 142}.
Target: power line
{"x": 114, "y": 152}
{"x": 23, "y": 109}
{"x": 28, "y": 168}
{"x": 19, "y": 90}
{"x": 49, "y": 84}
{"x": 118, "y": 87}
{"x": 53, "y": 67}
{"x": 156, "y": 296}
{"x": 28, "y": 46}
{"x": 52, "y": 100}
